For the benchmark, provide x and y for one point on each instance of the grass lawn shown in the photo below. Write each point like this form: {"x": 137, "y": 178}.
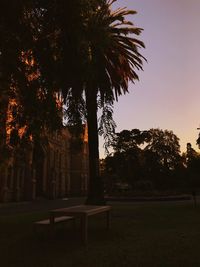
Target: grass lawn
{"x": 142, "y": 234}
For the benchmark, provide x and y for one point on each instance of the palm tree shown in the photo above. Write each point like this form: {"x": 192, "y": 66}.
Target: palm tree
{"x": 91, "y": 64}
{"x": 111, "y": 59}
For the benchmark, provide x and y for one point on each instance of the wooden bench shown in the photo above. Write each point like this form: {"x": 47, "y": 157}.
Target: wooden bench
{"x": 82, "y": 212}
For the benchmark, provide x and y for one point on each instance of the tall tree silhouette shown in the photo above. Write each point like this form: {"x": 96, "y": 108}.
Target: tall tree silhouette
{"x": 94, "y": 63}
{"x": 112, "y": 59}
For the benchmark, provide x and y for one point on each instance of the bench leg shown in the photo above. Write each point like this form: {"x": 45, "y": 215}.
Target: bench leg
{"x": 84, "y": 230}
{"x": 73, "y": 223}
{"x": 108, "y": 219}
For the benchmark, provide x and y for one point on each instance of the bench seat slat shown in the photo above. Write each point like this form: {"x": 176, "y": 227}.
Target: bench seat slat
{"x": 56, "y": 220}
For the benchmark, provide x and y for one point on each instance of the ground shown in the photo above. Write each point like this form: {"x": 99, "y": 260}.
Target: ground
{"x": 142, "y": 234}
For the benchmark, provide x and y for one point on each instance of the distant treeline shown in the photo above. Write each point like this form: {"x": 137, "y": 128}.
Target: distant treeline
{"x": 148, "y": 161}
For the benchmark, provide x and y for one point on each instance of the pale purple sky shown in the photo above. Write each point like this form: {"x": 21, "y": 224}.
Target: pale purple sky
{"x": 167, "y": 95}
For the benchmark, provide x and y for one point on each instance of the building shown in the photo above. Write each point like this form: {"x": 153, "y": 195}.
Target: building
{"x": 56, "y": 169}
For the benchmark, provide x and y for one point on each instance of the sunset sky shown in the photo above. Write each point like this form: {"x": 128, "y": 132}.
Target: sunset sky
{"x": 167, "y": 95}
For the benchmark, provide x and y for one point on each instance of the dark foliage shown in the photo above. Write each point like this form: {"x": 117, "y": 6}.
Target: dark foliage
{"x": 146, "y": 160}
{"x": 78, "y": 48}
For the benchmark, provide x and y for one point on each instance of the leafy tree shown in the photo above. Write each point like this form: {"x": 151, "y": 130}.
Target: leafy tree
{"x": 126, "y": 139}
{"x": 193, "y": 167}
{"x": 191, "y": 154}
{"x": 146, "y": 157}
{"x": 10, "y": 47}
{"x": 23, "y": 92}
{"x": 122, "y": 167}
{"x": 198, "y": 141}
{"x": 127, "y": 160}
{"x": 126, "y": 164}
{"x": 166, "y": 146}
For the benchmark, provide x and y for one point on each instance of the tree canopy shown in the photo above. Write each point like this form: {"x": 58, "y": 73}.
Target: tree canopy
{"x": 81, "y": 50}
{"x": 146, "y": 158}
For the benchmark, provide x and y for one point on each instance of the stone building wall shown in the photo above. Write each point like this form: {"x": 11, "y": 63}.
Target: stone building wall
{"x": 58, "y": 172}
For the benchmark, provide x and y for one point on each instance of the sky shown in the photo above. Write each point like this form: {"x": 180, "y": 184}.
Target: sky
{"x": 167, "y": 95}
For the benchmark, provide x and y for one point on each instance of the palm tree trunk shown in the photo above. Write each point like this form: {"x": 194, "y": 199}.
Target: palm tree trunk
{"x": 95, "y": 190}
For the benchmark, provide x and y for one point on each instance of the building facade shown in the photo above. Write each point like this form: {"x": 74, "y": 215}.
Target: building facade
{"x": 56, "y": 169}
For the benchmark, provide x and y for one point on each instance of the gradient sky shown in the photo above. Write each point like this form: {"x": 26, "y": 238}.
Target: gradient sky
{"x": 167, "y": 95}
